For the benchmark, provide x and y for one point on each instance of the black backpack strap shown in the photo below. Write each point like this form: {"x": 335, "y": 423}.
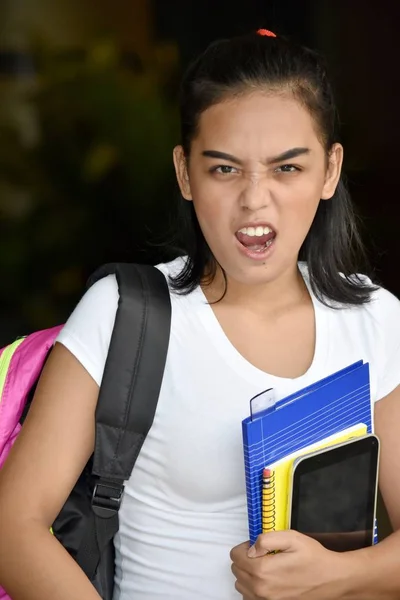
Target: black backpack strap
{"x": 128, "y": 395}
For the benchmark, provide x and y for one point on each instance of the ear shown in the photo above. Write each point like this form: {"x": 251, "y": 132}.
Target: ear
{"x": 335, "y": 161}
{"x": 181, "y": 171}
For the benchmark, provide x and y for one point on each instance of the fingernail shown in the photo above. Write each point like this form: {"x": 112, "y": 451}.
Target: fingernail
{"x": 251, "y": 553}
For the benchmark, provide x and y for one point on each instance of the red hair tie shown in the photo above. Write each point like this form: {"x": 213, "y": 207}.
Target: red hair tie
{"x": 266, "y": 32}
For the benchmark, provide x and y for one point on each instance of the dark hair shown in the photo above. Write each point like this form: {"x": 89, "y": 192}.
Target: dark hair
{"x": 332, "y": 248}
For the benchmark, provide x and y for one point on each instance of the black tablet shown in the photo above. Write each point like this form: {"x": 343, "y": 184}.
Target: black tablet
{"x": 334, "y": 492}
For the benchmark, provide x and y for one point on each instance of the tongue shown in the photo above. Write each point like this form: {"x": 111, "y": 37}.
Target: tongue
{"x": 254, "y": 241}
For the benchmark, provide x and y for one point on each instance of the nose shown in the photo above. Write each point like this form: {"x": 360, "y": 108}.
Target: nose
{"x": 255, "y": 194}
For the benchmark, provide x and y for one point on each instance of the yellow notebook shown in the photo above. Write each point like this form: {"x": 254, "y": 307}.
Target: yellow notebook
{"x": 275, "y": 488}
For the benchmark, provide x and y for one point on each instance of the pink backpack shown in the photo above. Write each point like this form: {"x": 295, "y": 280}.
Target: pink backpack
{"x": 125, "y": 410}
{"x": 16, "y": 383}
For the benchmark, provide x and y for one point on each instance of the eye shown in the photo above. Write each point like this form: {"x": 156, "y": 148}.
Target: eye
{"x": 287, "y": 169}
{"x": 224, "y": 170}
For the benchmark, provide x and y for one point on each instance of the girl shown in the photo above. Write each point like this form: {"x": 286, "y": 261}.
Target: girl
{"x": 266, "y": 295}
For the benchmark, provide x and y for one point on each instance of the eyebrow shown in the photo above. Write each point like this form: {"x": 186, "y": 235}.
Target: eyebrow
{"x": 222, "y": 156}
{"x": 287, "y": 155}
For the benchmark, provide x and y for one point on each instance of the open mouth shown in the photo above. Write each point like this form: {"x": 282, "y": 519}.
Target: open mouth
{"x": 256, "y": 239}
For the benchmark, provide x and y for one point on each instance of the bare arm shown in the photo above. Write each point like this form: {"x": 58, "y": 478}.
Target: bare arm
{"x": 51, "y": 451}
{"x": 376, "y": 570}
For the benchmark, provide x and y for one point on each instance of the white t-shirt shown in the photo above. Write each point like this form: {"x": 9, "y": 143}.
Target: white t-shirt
{"x": 184, "y": 506}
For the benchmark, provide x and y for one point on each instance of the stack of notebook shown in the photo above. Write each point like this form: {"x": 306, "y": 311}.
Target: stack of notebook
{"x": 328, "y": 412}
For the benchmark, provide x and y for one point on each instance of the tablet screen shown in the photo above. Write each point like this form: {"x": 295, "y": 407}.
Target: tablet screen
{"x": 334, "y": 495}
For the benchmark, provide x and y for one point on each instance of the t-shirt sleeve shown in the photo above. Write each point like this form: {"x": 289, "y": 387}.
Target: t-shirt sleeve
{"x": 387, "y": 308}
{"x": 87, "y": 333}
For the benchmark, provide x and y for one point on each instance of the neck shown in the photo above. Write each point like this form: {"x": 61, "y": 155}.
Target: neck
{"x": 288, "y": 288}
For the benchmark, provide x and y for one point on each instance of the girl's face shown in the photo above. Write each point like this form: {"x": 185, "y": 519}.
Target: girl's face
{"x": 256, "y": 174}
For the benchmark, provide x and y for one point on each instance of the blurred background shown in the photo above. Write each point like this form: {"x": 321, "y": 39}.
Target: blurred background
{"x": 88, "y": 121}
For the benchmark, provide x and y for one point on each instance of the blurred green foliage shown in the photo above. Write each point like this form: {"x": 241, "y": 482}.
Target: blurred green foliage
{"x": 85, "y": 176}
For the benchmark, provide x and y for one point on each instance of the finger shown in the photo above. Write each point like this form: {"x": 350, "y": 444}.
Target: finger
{"x": 244, "y": 591}
{"x": 275, "y": 541}
{"x": 243, "y": 577}
{"x": 251, "y": 573}
{"x": 239, "y": 551}
{"x": 240, "y": 574}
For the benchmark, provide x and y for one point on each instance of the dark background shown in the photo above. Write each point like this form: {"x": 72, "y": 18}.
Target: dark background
{"x": 88, "y": 121}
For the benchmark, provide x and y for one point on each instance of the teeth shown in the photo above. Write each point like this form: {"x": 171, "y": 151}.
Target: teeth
{"x": 255, "y": 231}
{"x": 259, "y": 231}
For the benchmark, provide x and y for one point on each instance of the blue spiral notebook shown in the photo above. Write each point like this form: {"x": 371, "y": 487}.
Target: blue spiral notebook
{"x": 276, "y": 429}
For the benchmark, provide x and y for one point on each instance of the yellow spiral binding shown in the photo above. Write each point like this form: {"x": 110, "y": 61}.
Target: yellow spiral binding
{"x": 268, "y": 501}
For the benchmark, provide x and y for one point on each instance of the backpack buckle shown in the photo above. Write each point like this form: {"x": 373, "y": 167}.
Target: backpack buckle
{"x": 107, "y": 498}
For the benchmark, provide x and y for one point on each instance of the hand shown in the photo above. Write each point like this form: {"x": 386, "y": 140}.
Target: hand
{"x": 302, "y": 569}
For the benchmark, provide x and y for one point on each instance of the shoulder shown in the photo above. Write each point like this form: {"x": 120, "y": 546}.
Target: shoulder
{"x": 173, "y": 268}
{"x": 97, "y": 307}
{"x": 382, "y": 321}
{"x": 381, "y": 315}
{"x": 384, "y": 305}
{"x": 381, "y": 306}
{"x": 370, "y": 331}
{"x": 102, "y": 295}
{"x": 87, "y": 332}
{"x": 99, "y": 304}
